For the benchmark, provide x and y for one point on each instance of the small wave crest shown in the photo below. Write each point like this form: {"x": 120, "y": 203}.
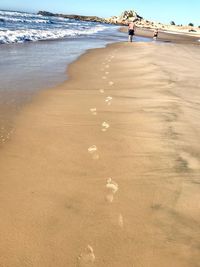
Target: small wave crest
{"x": 14, "y": 20}
{"x": 19, "y": 14}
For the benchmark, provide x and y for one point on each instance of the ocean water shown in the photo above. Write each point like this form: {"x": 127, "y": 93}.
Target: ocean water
{"x": 16, "y": 27}
{"x": 35, "y": 51}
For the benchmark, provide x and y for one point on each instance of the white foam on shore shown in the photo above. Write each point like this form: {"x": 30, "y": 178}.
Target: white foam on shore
{"x": 21, "y": 36}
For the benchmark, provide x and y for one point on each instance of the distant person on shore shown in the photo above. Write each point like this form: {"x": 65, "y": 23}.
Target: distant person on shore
{"x": 131, "y": 31}
{"x": 155, "y": 34}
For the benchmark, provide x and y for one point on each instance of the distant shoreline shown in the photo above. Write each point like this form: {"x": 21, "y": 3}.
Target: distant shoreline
{"x": 166, "y": 36}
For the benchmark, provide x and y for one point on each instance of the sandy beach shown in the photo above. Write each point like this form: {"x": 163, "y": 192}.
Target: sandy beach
{"x": 167, "y": 35}
{"x": 104, "y": 169}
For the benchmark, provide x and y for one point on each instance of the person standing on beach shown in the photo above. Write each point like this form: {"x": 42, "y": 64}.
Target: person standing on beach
{"x": 131, "y": 31}
{"x": 155, "y": 34}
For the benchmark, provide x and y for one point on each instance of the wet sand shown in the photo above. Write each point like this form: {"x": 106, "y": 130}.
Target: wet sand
{"x": 104, "y": 170}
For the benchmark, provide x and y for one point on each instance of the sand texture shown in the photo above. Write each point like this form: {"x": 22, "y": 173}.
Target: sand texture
{"x": 104, "y": 170}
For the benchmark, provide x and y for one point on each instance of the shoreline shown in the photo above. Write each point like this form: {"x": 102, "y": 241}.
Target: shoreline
{"x": 140, "y": 32}
{"x": 19, "y": 90}
{"x": 13, "y": 98}
{"x": 6, "y": 128}
{"x": 54, "y": 198}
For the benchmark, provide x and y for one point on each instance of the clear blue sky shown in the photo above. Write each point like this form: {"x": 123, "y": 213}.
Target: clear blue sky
{"x": 181, "y": 11}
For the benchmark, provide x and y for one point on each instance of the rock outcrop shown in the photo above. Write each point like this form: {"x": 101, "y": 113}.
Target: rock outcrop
{"x": 76, "y": 17}
{"x": 46, "y": 14}
{"x": 125, "y": 18}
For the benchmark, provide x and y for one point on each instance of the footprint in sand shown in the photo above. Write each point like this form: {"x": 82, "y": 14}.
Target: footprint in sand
{"x": 94, "y": 152}
{"x": 108, "y": 100}
{"x": 104, "y": 78}
{"x": 107, "y": 66}
{"x": 93, "y": 111}
{"x": 105, "y": 126}
{"x": 192, "y": 162}
{"x": 102, "y": 69}
{"x": 111, "y": 83}
{"x": 107, "y": 72}
{"x": 87, "y": 258}
{"x": 112, "y": 188}
{"x": 101, "y": 91}
{"x": 120, "y": 221}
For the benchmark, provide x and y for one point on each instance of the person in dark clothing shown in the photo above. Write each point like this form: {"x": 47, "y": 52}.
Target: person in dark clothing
{"x": 131, "y": 31}
{"x": 155, "y": 34}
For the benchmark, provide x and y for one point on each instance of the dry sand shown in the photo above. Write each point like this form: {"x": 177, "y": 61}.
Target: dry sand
{"x": 167, "y": 36}
{"x": 58, "y": 206}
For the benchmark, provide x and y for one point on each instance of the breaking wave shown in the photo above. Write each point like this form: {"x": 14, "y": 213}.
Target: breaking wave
{"x": 21, "y": 36}
{"x": 17, "y": 27}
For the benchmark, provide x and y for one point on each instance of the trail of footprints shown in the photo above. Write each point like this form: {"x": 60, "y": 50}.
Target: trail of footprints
{"x": 87, "y": 257}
